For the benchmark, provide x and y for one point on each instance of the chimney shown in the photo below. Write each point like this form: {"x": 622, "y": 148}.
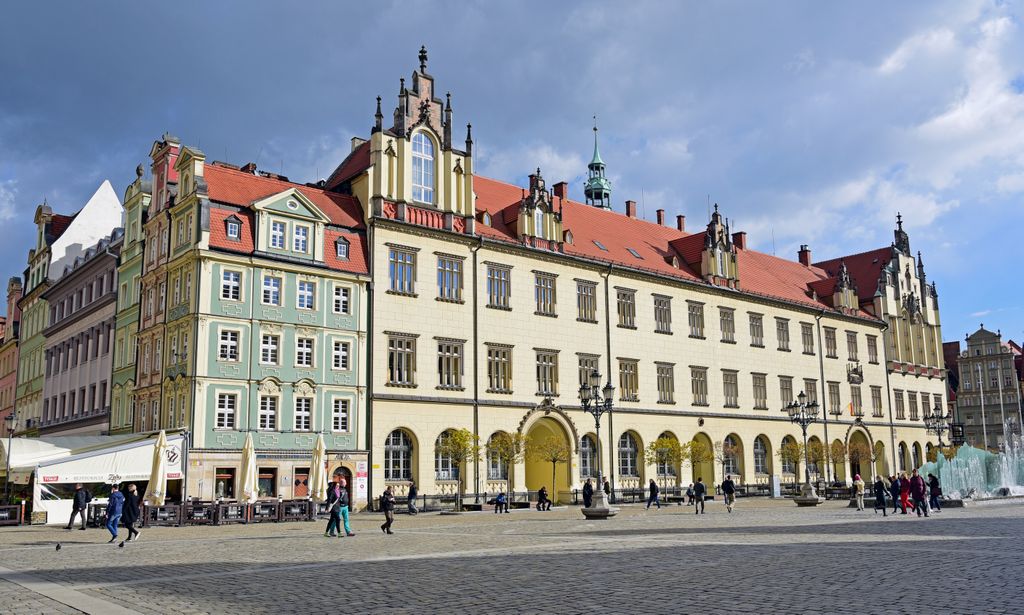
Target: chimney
{"x": 631, "y": 209}
{"x": 356, "y": 142}
{"x": 740, "y": 240}
{"x": 561, "y": 190}
{"x": 804, "y": 255}
{"x": 661, "y": 217}
{"x": 249, "y": 167}
{"x": 681, "y": 223}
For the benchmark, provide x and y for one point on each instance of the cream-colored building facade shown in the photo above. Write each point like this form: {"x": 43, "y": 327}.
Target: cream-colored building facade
{"x": 490, "y": 302}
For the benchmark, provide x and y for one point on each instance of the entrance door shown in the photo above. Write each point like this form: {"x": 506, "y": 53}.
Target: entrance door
{"x": 300, "y": 488}
{"x": 550, "y": 439}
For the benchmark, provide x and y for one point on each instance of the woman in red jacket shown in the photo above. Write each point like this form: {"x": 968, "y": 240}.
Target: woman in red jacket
{"x": 904, "y": 492}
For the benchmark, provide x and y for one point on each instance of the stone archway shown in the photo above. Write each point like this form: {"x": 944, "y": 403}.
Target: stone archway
{"x": 859, "y": 452}
{"x": 705, "y": 469}
{"x": 542, "y": 472}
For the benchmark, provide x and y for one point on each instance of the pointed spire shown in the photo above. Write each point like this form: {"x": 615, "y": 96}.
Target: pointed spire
{"x": 448, "y": 101}
{"x": 597, "y": 153}
{"x": 423, "y": 59}
{"x": 597, "y": 189}
{"x": 899, "y": 221}
{"x": 378, "y": 118}
{"x": 469, "y": 139}
{"x": 447, "y": 125}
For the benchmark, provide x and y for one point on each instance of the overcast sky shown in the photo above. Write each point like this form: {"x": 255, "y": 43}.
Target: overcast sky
{"x": 808, "y": 122}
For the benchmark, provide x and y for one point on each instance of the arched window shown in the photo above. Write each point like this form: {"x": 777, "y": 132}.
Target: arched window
{"x": 760, "y": 457}
{"x": 422, "y": 168}
{"x": 628, "y": 450}
{"x": 496, "y": 468}
{"x": 721, "y": 263}
{"x": 917, "y": 455}
{"x": 398, "y": 456}
{"x": 730, "y": 462}
{"x": 903, "y": 457}
{"x": 666, "y": 468}
{"x": 588, "y": 457}
{"x": 538, "y": 222}
{"x": 444, "y": 466}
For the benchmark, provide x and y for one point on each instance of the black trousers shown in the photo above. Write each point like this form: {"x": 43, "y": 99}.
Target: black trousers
{"x": 698, "y": 505}
{"x": 74, "y": 513}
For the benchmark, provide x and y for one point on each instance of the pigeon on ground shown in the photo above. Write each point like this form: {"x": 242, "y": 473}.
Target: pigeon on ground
{"x": 121, "y": 545}
{"x": 58, "y": 546}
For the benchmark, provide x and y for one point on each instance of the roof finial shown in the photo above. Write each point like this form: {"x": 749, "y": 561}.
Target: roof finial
{"x": 899, "y": 221}
{"x": 597, "y": 154}
{"x": 378, "y": 118}
{"x": 448, "y": 101}
{"x": 401, "y": 86}
{"x": 423, "y": 59}
{"x": 469, "y": 139}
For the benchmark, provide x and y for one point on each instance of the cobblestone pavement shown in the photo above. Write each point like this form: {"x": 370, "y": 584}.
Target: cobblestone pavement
{"x": 766, "y": 557}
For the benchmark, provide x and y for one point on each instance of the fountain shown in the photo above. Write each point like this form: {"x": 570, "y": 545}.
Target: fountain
{"x": 974, "y": 473}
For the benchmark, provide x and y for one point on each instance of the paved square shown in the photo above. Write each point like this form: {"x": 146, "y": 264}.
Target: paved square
{"x": 767, "y": 557}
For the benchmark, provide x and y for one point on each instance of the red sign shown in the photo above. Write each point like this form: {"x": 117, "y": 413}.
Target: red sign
{"x": 50, "y": 479}
{"x": 174, "y": 475}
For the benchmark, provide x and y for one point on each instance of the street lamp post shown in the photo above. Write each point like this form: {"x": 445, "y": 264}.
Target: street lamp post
{"x": 804, "y": 414}
{"x": 938, "y": 423}
{"x": 10, "y": 419}
{"x": 595, "y": 401}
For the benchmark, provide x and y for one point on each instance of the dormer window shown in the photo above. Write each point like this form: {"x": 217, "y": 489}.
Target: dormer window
{"x": 341, "y": 245}
{"x": 486, "y": 218}
{"x": 422, "y": 168}
{"x": 233, "y": 226}
{"x": 635, "y": 253}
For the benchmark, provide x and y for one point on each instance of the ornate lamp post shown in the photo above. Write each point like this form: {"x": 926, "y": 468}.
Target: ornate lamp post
{"x": 10, "y": 419}
{"x": 804, "y": 414}
{"x": 595, "y": 401}
{"x": 938, "y": 423}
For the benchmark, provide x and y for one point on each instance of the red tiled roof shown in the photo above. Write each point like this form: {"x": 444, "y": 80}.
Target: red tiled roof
{"x": 357, "y": 261}
{"x": 234, "y": 187}
{"x": 354, "y": 164}
{"x": 219, "y": 234}
{"x": 58, "y": 224}
{"x": 865, "y": 270}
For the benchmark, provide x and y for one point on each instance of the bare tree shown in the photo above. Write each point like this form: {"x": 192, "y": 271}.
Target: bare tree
{"x": 461, "y": 446}
{"x": 553, "y": 450}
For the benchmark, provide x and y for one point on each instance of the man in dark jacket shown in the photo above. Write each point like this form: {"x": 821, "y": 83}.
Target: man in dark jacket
{"x": 130, "y": 514}
{"x": 608, "y": 489}
{"x": 699, "y": 491}
{"x": 588, "y": 493}
{"x": 729, "y": 492}
{"x": 934, "y": 492}
{"x": 338, "y": 503}
{"x": 879, "y": 489}
{"x": 652, "y": 494}
{"x": 917, "y": 491}
{"x": 79, "y": 505}
{"x": 115, "y": 505}
{"x": 387, "y": 505}
{"x": 894, "y": 491}
{"x": 411, "y": 499}
{"x": 543, "y": 503}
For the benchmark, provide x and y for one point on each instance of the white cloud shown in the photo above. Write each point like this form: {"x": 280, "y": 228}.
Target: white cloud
{"x": 555, "y": 165}
{"x": 932, "y": 43}
{"x": 981, "y": 313}
{"x": 1011, "y": 183}
{"x": 8, "y": 190}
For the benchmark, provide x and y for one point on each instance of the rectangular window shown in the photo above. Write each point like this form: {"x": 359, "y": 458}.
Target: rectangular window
{"x": 629, "y": 381}
{"x": 340, "y": 355}
{"x": 731, "y": 388}
{"x": 851, "y": 345}
{"x": 306, "y": 299}
{"x": 449, "y": 278}
{"x": 586, "y": 301}
{"x": 912, "y": 399}
{"x": 626, "y": 301}
{"x": 277, "y": 235}
{"x": 304, "y": 352}
{"x": 695, "y": 316}
{"x": 856, "y": 403}
{"x": 782, "y": 332}
{"x": 401, "y": 361}
{"x": 760, "y": 391}
{"x": 786, "y": 390}
{"x": 271, "y": 290}
{"x": 876, "y": 401}
{"x": 662, "y": 314}
{"x": 234, "y": 230}
{"x": 897, "y": 396}
{"x": 303, "y": 413}
{"x": 499, "y": 369}
{"x": 499, "y": 285}
{"x": 872, "y": 349}
{"x": 757, "y": 330}
{"x": 268, "y": 347}
{"x": 340, "y": 415}
{"x": 811, "y": 389}
{"x": 547, "y": 372}
{"x": 666, "y": 383}
{"x": 342, "y": 300}
{"x": 699, "y": 385}
{"x": 402, "y": 271}
{"x": 231, "y": 286}
{"x": 807, "y": 337}
{"x": 228, "y": 346}
{"x": 830, "y": 343}
{"x": 227, "y": 405}
{"x": 300, "y": 239}
{"x": 727, "y": 322}
{"x": 544, "y": 293}
{"x": 341, "y": 249}
{"x": 835, "y": 403}
{"x": 588, "y": 365}
{"x": 449, "y": 364}
{"x": 268, "y": 413}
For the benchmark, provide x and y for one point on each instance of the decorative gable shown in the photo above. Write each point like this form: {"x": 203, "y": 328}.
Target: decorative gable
{"x": 718, "y": 259}
{"x": 290, "y": 224}
{"x": 537, "y": 218}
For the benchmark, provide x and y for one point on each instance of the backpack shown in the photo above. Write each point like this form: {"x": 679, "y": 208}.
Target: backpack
{"x": 88, "y": 496}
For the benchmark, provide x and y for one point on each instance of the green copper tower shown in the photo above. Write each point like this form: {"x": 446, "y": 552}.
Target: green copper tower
{"x": 598, "y": 188}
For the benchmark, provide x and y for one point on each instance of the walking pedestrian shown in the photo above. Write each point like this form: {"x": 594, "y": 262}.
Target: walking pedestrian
{"x": 689, "y": 495}
{"x": 608, "y": 489}
{"x": 79, "y": 505}
{"x": 652, "y": 495}
{"x": 858, "y": 490}
{"x": 917, "y": 492}
{"x": 935, "y": 492}
{"x": 131, "y": 514}
{"x": 729, "y": 492}
{"x": 894, "y": 491}
{"x": 905, "y": 492}
{"x": 880, "y": 491}
{"x": 588, "y": 493}
{"x": 699, "y": 491}
{"x": 411, "y": 503}
{"x": 500, "y": 503}
{"x": 543, "y": 503}
{"x": 387, "y": 504}
{"x": 338, "y": 502}
{"x": 115, "y": 505}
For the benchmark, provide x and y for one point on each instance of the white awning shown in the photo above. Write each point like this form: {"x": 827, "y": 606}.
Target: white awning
{"x": 89, "y": 459}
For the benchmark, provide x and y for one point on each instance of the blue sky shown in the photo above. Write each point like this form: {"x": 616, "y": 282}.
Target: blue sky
{"x": 808, "y": 122}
